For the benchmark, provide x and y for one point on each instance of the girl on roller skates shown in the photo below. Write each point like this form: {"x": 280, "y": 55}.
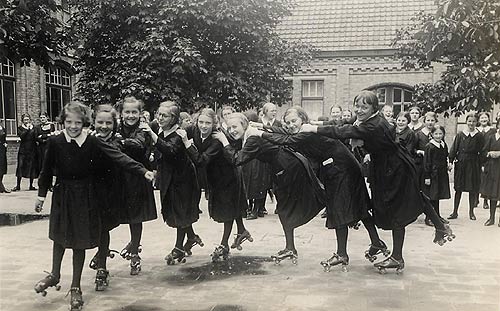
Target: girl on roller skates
{"x": 226, "y": 194}
{"x": 299, "y": 194}
{"x": 179, "y": 190}
{"x": 396, "y": 196}
{"x": 436, "y": 167}
{"x": 465, "y": 153}
{"x": 107, "y": 189}
{"x": 137, "y": 194}
{"x": 490, "y": 184}
{"x": 74, "y": 217}
{"x": 347, "y": 197}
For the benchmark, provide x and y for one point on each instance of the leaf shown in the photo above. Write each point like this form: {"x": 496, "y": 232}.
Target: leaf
{"x": 465, "y": 24}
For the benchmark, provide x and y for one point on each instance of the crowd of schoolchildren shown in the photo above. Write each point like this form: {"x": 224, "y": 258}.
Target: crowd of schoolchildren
{"x": 103, "y": 166}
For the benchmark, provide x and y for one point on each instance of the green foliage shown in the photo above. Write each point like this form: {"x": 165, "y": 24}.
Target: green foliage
{"x": 197, "y": 52}
{"x": 464, "y": 36}
{"x": 30, "y": 31}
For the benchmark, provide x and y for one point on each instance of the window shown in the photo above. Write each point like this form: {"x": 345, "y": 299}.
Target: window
{"x": 7, "y": 97}
{"x": 381, "y": 96}
{"x": 401, "y": 100}
{"x": 58, "y": 90}
{"x": 312, "y": 97}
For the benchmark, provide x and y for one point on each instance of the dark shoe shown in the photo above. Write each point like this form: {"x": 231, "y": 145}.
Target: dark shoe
{"x": 489, "y": 222}
{"x": 260, "y": 214}
{"x": 251, "y": 216}
{"x": 485, "y": 205}
{"x": 453, "y": 216}
{"x": 4, "y": 190}
{"x": 428, "y": 222}
{"x": 444, "y": 221}
{"x": 324, "y": 214}
{"x": 200, "y": 211}
{"x": 472, "y": 216}
{"x": 264, "y": 212}
{"x": 276, "y": 211}
{"x": 16, "y": 188}
{"x": 32, "y": 188}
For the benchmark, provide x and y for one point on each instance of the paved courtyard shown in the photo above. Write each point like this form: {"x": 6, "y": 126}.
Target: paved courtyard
{"x": 462, "y": 275}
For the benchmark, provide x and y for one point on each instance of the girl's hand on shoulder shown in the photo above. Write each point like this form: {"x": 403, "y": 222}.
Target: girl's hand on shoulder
{"x": 252, "y": 131}
{"x": 427, "y": 181}
{"x": 308, "y": 128}
{"x": 150, "y": 176}
{"x": 145, "y": 127}
{"x": 221, "y": 137}
{"x": 183, "y": 134}
{"x": 256, "y": 125}
{"x": 420, "y": 152}
{"x": 367, "y": 158}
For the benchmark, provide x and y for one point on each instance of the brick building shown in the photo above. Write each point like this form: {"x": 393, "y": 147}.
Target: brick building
{"x": 354, "y": 53}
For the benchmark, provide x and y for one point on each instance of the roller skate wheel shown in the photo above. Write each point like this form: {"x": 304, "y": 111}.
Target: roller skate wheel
{"x": 58, "y": 287}
{"x": 201, "y": 244}
{"x": 44, "y": 293}
{"x": 387, "y": 253}
{"x": 399, "y": 271}
{"x": 239, "y": 247}
{"x": 382, "y": 271}
{"x": 183, "y": 260}
{"x": 111, "y": 255}
{"x": 250, "y": 239}
{"x": 294, "y": 261}
{"x": 344, "y": 268}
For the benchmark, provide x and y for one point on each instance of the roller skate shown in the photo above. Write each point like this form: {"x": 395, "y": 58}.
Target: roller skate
{"x": 196, "y": 240}
{"x": 76, "y": 300}
{"x": 48, "y": 281}
{"x": 126, "y": 252}
{"x": 101, "y": 279}
{"x": 176, "y": 254}
{"x": 135, "y": 264}
{"x": 284, "y": 254}
{"x": 355, "y": 225}
{"x": 334, "y": 261}
{"x": 441, "y": 236}
{"x": 94, "y": 262}
{"x": 240, "y": 238}
{"x": 374, "y": 250}
{"x": 390, "y": 263}
{"x": 220, "y": 251}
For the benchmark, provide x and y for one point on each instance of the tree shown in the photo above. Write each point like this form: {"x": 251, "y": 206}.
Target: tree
{"x": 30, "y": 31}
{"x": 463, "y": 35}
{"x": 197, "y": 52}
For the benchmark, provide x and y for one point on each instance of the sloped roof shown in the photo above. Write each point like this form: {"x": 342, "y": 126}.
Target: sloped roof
{"x": 342, "y": 25}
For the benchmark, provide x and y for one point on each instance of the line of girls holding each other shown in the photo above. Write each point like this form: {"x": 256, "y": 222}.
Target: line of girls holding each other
{"x": 85, "y": 169}
{"x": 32, "y": 146}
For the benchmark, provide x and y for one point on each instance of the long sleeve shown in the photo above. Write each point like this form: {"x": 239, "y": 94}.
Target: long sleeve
{"x": 22, "y": 132}
{"x": 411, "y": 143}
{"x": 201, "y": 159}
{"x": 428, "y": 161}
{"x": 454, "y": 148}
{"x": 120, "y": 159}
{"x": 48, "y": 165}
{"x": 486, "y": 148}
{"x": 136, "y": 143}
{"x": 286, "y": 139}
{"x": 249, "y": 151}
{"x": 346, "y": 131}
{"x": 169, "y": 147}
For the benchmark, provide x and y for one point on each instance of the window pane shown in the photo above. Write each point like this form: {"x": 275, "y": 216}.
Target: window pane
{"x": 314, "y": 108}
{"x": 381, "y": 95}
{"x": 8, "y": 99}
{"x": 396, "y": 109}
{"x": 407, "y": 97}
{"x": 55, "y": 102}
{"x": 319, "y": 88}
{"x": 66, "y": 96}
{"x": 397, "y": 96}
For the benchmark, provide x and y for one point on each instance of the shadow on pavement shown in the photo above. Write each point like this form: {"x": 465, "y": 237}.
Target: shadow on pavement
{"x": 149, "y": 308}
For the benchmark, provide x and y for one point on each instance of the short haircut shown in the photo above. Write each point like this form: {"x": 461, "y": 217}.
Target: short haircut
{"x": 485, "y": 114}
{"x": 266, "y": 107}
{"x": 438, "y": 127}
{"x": 404, "y": 114}
{"x": 430, "y": 114}
{"x": 240, "y": 117}
{"x": 173, "y": 110}
{"x": 109, "y": 109}
{"x": 335, "y": 106}
{"x": 416, "y": 108}
{"x": 301, "y": 113}
{"x": 369, "y": 98}
{"x": 130, "y": 100}
{"x": 208, "y": 112}
{"x": 79, "y": 109}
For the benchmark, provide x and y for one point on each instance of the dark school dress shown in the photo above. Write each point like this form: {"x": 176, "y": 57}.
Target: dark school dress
{"x": 179, "y": 190}
{"x": 299, "y": 193}
{"x": 42, "y": 134}
{"x": 339, "y": 171}
{"x": 436, "y": 169}
{"x": 107, "y": 179}
{"x": 490, "y": 185}
{"x": 396, "y": 197}
{"x": 137, "y": 193}
{"x": 408, "y": 140}
{"x": 422, "y": 139}
{"x": 465, "y": 153}
{"x": 3, "y": 151}
{"x": 27, "y": 165}
{"x": 74, "y": 216}
{"x": 226, "y": 191}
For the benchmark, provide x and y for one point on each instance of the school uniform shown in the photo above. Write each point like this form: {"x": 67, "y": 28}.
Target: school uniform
{"x": 3, "y": 151}
{"x": 423, "y": 137}
{"x": 490, "y": 185}
{"x": 74, "y": 216}
{"x": 299, "y": 194}
{"x": 436, "y": 169}
{"x": 346, "y": 194}
{"x": 417, "y": 127}
{"x": 465, "y": 153}
{"x": 42, "y": 134}
{"x": 408, "y": 140}
{"x": 137, "y": 192}
{"x": 487, "y": 131}
{"x": 396, "y": 196}
{"x": 27, "y": 165}
{"x": 226, "y": 191}
{"x": 179, "y": 190}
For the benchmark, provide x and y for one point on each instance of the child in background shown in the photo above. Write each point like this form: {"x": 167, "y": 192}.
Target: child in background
{"x": 485, "y": 128}
{"x": 436, "y": 167}
{"x": 490, "y": 184}
{"x": 185, "y": 120}
{"x": 465, "y": 153}
{"x": 415, "y": 114}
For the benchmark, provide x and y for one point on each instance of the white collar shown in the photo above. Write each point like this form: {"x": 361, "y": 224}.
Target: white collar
{"x": 265, "y": 121}
{"x": 435, "y": 143}
{"x": 170, "y": 131}
{"x": 485, "y": 129}
{"x": 79, "y": 140}
{"x": 223, "y": 125}
{"x": 27, "y": 127}
{"x": 426, "y": 131}
{"x": 471, "y": 134}
{"x": 411, "y": 126}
